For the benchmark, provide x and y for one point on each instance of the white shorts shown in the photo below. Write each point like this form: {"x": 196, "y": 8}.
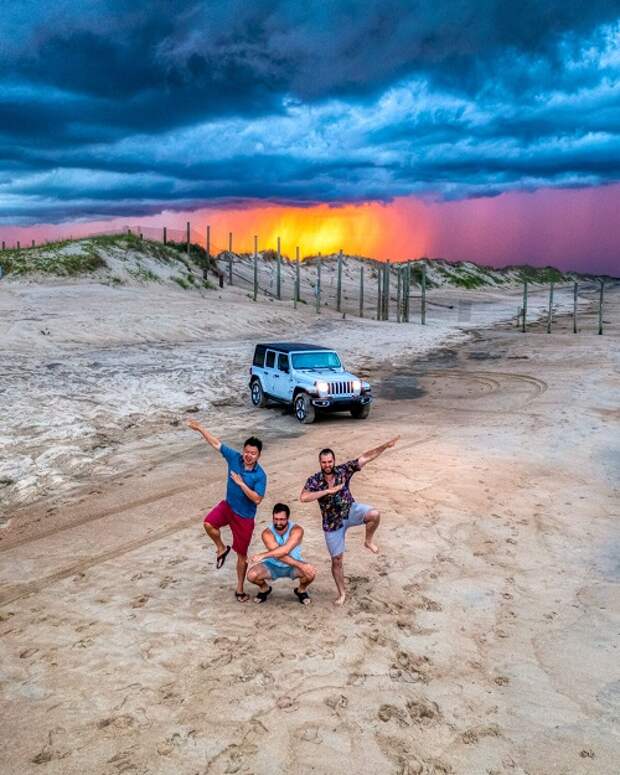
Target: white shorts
{"x": 335, "y": 539}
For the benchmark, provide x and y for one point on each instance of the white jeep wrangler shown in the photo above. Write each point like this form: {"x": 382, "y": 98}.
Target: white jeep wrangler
{"x": 307, "y": 378}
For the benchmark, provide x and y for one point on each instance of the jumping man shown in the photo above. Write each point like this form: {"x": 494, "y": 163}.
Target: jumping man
{"x": 245, "y": 489}
{"x": 339, "y": 510}
{"x": 283, "y": 557}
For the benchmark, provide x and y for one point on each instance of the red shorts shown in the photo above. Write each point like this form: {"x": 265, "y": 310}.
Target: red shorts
{"x": 241, "y": 528}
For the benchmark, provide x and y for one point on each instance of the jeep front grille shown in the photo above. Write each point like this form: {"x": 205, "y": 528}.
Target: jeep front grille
{"x": 340, "y": 388}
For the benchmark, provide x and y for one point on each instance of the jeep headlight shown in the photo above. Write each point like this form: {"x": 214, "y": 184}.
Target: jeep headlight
{"x": 322, "y": 387}
{"x": 357, "y": 386}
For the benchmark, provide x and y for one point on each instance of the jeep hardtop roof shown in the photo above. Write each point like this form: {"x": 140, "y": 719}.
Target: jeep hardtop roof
{"x": 288, "y": 347}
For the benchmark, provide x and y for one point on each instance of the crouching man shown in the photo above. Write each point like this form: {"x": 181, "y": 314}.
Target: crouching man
{"x": 283, "y": 557}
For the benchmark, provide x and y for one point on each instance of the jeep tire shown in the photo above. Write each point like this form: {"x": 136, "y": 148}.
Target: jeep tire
{"x": 304, "y": 408}
{"x": 361, "y": 412}
{"x": 256, "y": 394}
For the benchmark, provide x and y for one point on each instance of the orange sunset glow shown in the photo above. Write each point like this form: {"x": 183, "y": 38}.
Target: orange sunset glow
{"x": 370, "y": 229}
{"x": 548, "y": 226}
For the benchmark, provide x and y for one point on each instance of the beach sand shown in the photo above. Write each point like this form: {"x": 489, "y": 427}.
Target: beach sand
{"x": 482, "y": 639}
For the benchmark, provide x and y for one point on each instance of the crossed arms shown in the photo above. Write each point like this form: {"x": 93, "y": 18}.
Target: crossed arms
{"x": 277, "y": 552}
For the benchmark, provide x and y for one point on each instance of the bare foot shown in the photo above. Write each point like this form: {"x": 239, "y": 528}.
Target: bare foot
{"x": 373, "y": 547}
{"x": 340, "y": 600}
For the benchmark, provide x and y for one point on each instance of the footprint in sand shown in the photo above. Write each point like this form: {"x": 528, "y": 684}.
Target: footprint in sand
{"x": 51, "y": 750}
{"x": 221, "y": 660}
{"x": 287, "y": 704}
{"x": 176, "y": 561}
{"x": 473, "y": 735}
{"x": 117, "y": 724}
{"x": 423, "y": 712}
{"x": 122, "y": 762}
{"x": 408, "y": 668}
{"x": 392, "y": 713}
{"x": 175, "y": 741}
{"x": 167, "y": 581}
{"x": 336, "y": 701}
{"x": 406, "y": 762}
{"x": 141, "y": 601}
{"x": 309, "y": 734}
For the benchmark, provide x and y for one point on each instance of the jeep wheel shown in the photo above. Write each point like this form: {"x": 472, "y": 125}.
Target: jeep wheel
{"x": 304, "y": 409}
{"x": 257, "y": 395}
{"x": 361, "y": 412}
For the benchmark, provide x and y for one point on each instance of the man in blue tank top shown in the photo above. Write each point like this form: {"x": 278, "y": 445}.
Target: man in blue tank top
{"x": 283, "y": 557}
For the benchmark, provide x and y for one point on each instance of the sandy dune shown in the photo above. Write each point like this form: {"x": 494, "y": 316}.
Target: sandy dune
{"x": 483, "y": 638}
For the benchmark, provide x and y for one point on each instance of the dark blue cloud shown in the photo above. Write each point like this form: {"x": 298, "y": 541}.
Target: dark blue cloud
{"x": 112, "y": 108}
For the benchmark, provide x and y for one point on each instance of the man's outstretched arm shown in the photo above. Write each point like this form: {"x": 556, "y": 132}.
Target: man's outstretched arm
{"x": 366, "y": 457}
{"x": 213, "y": 440}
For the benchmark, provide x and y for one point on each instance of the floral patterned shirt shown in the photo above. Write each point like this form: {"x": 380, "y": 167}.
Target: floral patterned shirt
{"x": 334, "y": 508}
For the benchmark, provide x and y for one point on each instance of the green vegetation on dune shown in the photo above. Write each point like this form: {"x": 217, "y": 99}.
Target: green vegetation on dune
{"x": 70, "y": 258}
{"x": 51, "y": 261}
{"x": 544, "y": 275}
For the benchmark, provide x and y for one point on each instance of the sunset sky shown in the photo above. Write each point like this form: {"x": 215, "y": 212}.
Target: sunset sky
{"x": 487, "y": 131}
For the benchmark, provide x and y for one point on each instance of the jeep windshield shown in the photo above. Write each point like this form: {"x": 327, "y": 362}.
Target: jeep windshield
{"x": 317, "y": 359}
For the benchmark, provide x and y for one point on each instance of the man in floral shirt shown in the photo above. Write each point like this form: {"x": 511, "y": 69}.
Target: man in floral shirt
{"x": 339, "y": 510}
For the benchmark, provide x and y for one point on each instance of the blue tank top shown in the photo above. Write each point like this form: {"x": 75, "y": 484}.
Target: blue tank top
{"x": 282, "y": 538}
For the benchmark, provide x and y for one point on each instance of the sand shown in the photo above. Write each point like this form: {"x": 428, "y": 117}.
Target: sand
{"x": 482, "y": 639}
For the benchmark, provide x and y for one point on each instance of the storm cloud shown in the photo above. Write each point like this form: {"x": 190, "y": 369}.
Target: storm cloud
{"x": 109, "y": 108}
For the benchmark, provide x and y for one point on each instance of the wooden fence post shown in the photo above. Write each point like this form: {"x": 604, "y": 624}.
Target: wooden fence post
{"x": 550, "y": 313}
{"x": 524, "y": 308}
{"x": 18, "y": 245}
{"x": 386, "y": 291}
{"x": 187, "y": 228}
{"x": 399, "y": 282}
{"x": 379, "y": 268}
{"x": 423, "y": 304}
{"x": 362, "y": 290}
{"x": 297, "y": 276}
{"x": 33, "y": 243}
{"x": 339, "y": 282}
{"x": 230, "y": 259}
{"x": 318, "y": 284}
{"x": 278, "y": 273}
{"x": 600, "y": 309}
{"x": 165, "y": 236}
{"x": 408, "y": 292}
{"x": 255, "y": 267}
{"x": 3, "y": 245}
{"x": 575, "y": 289}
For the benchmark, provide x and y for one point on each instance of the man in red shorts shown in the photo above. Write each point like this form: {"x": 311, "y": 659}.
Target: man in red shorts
{"x": 246, "y": 487}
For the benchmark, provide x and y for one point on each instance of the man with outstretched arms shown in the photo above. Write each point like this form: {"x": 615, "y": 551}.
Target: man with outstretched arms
{"x": 245, "y": 489}
{"x": 283, "y": 557}
{"x": 339, "y": 510}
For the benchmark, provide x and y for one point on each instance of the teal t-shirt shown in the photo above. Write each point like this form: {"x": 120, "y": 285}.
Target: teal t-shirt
{"x": 256, "y": 480}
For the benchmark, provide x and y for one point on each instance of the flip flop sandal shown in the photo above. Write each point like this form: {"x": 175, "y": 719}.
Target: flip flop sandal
{"x": 262, "y": 596}
{"x": 302, "y": 596}
{"x": 221, "y": 558}
{"x": 242, "y": 597}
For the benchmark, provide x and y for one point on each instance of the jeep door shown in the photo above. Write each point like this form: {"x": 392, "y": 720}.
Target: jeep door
{"x": 269, "y": 371}
{"x": 282, "y": 385}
